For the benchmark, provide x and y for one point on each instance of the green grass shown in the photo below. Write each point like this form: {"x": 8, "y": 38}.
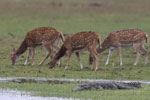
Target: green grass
{"x": 19, "y": 16}
{"x": 65, "y": 90}
{"x": 127, "y": 71}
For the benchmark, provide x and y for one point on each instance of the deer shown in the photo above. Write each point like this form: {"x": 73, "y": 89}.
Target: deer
{"x": 124, "y": 38}
{"x": 43, "y": 36}
{"x": 76, "y": 43}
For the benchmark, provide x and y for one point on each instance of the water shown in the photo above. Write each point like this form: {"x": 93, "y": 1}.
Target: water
{"x": 20, "y": 95}
{"x": 61, "y": 80}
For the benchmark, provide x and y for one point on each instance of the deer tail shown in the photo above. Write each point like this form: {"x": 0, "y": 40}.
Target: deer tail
{"x": 58, "y": 55}
{"x": 100, "y": 42}
{"x": 146, "y": 37}
{"x": 62, "y": 37}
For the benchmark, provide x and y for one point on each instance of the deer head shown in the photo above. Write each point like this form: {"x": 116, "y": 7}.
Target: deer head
{"x": 14, "y": 57}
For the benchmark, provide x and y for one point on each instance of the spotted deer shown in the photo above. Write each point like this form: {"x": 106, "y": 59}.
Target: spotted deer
{"x": 125, "y": 38}
{"x": 45, "y": 36}
{"x": 76, "y": 43}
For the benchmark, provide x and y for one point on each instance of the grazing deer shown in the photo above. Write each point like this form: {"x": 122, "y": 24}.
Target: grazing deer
{"x": 77, "y": 42}
{"x": 45, "y": 36}
{"x": 124, "y": 38}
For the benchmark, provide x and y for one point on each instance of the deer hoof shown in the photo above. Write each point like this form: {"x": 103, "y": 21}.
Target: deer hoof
{"x": 96, "y": 69}
{"x": 66, "y": 67}
{"x": 32, "y": 64}
{"x": 81, "y": 68}
{"x": 92, "y": 69}
{"x": 50, "y": 67}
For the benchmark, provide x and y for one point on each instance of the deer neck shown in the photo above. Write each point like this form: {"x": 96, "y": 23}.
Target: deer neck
{"x": 22, "y": 48}
{"x": 105, "y": 45}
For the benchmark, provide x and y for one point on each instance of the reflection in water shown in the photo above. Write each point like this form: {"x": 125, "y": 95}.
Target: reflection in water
{"x": 17, "y": 95}
{"x": 61, "y": 80}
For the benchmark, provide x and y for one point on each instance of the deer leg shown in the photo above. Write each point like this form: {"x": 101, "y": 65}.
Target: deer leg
{"x": 78, "y": 57}
{"x": 91, "y": 59}
{"x": 57, "y": 49}
{"x": 137, "y": 58}
{"x": 137, "y": 48}
{"x": 96, "y": 61}
{"x": 68, "y": 59}
{"x": 48, "y": 49}
{"x": 95, "y": 55}
{"x": 145, "y": 54}
{"x": 109, "y": 55}
{"x": 120, "y": 55}
{"x": 27, "y": 57}
{"x": 33, "y": 53}
{"x": 55, "y": 45}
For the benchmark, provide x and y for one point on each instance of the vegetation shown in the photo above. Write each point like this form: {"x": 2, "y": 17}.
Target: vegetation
{"x": 65, "y": 91}
{"x": 102, "y": 16}
{"x": 71, "y": 16}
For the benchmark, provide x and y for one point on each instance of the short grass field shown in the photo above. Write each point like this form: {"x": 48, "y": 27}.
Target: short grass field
{"x": 71, "y": 16}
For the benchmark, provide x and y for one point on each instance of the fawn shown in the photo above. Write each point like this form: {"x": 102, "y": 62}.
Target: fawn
{"x": 76, "y": 43}
{"x": 45, "y": 36}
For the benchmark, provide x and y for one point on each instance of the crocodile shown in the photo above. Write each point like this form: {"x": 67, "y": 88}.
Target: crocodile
{"x": 107, "y": 85}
